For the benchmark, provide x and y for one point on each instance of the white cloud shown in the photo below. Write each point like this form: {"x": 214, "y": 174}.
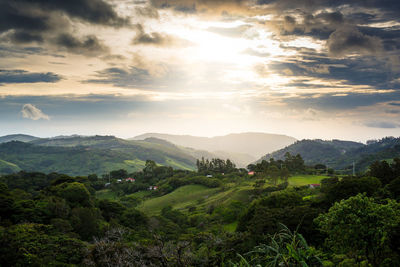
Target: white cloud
{"x": 29, "y": 111}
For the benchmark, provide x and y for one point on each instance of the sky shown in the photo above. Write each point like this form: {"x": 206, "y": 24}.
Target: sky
{"x": 327, "y": 69}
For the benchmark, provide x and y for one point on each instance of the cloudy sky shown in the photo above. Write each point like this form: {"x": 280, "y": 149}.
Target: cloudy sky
{"x": 306, "y": 68}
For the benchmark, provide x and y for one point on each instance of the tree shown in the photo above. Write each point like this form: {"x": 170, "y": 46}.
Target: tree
{"x": 320, "y": 166}
{"x": 149, "y": 168}
{"x": 134, "y": 218}
{"x": 359, "y": 226}
{"x": 86, "y": 222}
{"x": 38, "y": 245}
{"x": 284, "y": 174}
{"x": 264, "y": 215}
{"x": 273, "y": 174}
{"x": 215, "y": 166}
{"x": 382, "y": 170}
{"x": 351, "y": 186}
{"x": 394, "y": 188}
{"x": 75, "y": 193}
{"x": 111, "y": 209}
{"x": 93, "y": 178}
{"x": 119, "y": 174}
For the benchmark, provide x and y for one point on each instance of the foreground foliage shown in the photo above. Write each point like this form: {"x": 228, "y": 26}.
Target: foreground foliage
{"x": 167, "y": 217}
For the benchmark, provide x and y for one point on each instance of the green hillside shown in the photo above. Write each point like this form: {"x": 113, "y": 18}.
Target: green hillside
{"x": 162, "y": 153}
{"x": 341, "y": 154}
{"x": 8, "y": 167}
{"x": 316, "y": 151}
{"x": 200, "y": 196}
{"x": 85, "y": 155}
{"x": 17, "y": 137}
{"x": 203, "y": 197}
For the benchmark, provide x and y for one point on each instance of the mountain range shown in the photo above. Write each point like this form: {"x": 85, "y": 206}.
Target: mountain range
{"x": 81, "y": 155}
{"x": 242, "y": 148}
{"x": 85, "y": 155}
{"x": 339, "y": 154}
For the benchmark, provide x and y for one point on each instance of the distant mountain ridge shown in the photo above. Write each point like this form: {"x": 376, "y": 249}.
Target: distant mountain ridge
{"x": 77, "y": 155}
{"x": 250, "y": 145}
{"x": 341, "y": 154}
{"x": 17, "y": 137}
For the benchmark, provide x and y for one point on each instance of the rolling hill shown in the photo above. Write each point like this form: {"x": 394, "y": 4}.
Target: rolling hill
{"x": 17, "y": 137}
{"x": 242, "y": 148}
{"x": 81, "y": 155}
{"x": 341, "y": 154}
{"x": 84, "y": 155}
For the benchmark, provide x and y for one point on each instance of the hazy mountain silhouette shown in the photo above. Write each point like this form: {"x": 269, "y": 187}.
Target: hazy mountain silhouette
{"x": 248, "y": 145}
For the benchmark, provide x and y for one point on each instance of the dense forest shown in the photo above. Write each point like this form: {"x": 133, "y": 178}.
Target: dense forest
{"x": 255, "y": 217}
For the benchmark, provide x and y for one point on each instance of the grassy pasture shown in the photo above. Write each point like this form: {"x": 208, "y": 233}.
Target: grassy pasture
{"x": 9, "y": 165}
{"x": 180, "y": 198}
{"x": 201, "y": 197}
{"x": 299, "y": 180}
{"x": 106, "y": 194}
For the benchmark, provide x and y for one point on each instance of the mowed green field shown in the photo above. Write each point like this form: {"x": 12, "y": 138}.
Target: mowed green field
{"x": 300, "y": 180}
{"x": 180, "y": 198}
{"x": 198, "y": 196}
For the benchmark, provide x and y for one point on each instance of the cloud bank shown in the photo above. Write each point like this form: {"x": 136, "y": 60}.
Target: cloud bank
{"x": 29, "y": 111}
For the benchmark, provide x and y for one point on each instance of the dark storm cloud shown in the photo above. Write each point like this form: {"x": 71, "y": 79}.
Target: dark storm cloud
{"x": 156, "y": 39}
{"x": 341, "y": 102}
{"x": 390, "y": 36}
{"x": 25, "y": 37}
{"x": 18, "y": 52}
{"x": 202, "y": 6}
{"x": 14, "y": 15}
{"x": 390, "y": 6}
{"x": 360, "y": 71}
{"x": 93, "y": 11}
{"x": 43, "y": 21}
{"x": 350, "y": 40}
{"x": 382, "y": 124}
{"x": 346, "y": 25}
{"x": 22, "y": 76}
{"x": 165, "y": 77}
{"x": 123, "y": 78}
{"x": 89, "y": 45}
{"x": 139, "y": 77}
{"x": 319, "y": 25}
{"x": 392, "y": 111}
{"x": 25, "y": 14}
{"x": 161, "y": 78}
{"x": 147, "y": 11}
